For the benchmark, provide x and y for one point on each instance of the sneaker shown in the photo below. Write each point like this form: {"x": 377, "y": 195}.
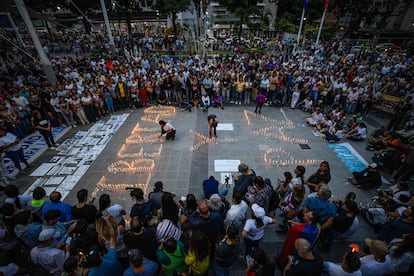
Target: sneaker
{"x": 52, "y": 148}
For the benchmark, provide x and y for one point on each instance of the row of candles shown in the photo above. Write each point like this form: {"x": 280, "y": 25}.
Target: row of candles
{"x": 143, "y": 162}
{"x": 120, "y": 187}
{"x": 205, "y": 140}
{"x": 267, "y": 133}
{"x": 123, "y": 153}
{"x": 289, "y": 160}
{"x": 281, "y": 123}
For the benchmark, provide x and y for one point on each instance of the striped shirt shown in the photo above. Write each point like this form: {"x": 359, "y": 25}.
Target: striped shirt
{"x": 166, "y": 228}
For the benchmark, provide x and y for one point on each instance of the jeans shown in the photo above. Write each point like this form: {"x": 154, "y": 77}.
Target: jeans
{"x": 16, "y": 157}
{"x": 250, "y": 244}
{"x": 221, "y": 270}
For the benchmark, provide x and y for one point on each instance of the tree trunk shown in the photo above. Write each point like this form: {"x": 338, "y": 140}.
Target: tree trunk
{"x": 174, "y": 26}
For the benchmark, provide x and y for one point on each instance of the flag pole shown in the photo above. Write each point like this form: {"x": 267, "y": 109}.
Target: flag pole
{"x": 320, "y": 27}
{"x": 300, "y": 25}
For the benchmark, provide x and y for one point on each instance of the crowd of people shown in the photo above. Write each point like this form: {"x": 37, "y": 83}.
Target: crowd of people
{"x": 336, "y": 86}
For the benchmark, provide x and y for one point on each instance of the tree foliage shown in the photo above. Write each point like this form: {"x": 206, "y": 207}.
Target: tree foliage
{"x": 172, "y": 7}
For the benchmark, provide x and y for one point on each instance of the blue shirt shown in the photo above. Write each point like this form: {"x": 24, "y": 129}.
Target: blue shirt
{"x": 149, "y": 270}
{"x": 109, "y": 266}
{"x": 324, "y": 208}
{"x": 64, "y": 208}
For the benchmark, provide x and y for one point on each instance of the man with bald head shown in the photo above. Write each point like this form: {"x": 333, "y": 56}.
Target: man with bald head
{"x": 57, "y": 204}
{"x": 209, "y": 222}
{"x": 307, "y": 262}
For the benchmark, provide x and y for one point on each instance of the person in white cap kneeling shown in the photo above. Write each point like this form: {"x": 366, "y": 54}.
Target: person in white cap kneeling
{"x": 367, "y": 178}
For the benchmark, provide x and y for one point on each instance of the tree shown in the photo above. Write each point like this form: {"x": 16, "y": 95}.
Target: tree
{"x": 172, "y": 7}
{"x": 243, "y": 9}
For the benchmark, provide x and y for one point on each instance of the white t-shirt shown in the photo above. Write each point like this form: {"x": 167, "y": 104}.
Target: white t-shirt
{"x": 116, "y": 211}
{"x": 8, "y": 139}
{"x": 336, "y": 270}
{"x": 168, "y": 126}
{"x": 255, "y": 233}
{"x": 370, "y": 267}
{"x": 295, "y": 181}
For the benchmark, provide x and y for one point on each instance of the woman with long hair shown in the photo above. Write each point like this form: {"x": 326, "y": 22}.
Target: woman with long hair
{"x": 297, "y": 180}
{"x": 321, "y": 176}
{"x": 168, "y": 227}
{"x": 198, "y": 257}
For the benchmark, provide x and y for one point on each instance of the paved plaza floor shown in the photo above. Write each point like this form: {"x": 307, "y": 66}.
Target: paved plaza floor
{"x": 131, "y": 156}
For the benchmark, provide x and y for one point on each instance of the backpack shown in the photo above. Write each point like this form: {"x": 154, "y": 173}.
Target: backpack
{"x": 274, "y": 198}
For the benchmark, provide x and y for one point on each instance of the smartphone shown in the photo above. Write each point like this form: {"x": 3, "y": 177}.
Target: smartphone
{"x": 249, "y": 261}
{"x": 68, "y": 240}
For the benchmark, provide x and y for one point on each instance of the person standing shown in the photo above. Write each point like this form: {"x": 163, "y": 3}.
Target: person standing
{"x": 168, "y": 129}
{"x": 212, "y": 122}
{"x": 45, "y": 128}
{"x": 10, "y": 144}
{"x": 260, "y": 100}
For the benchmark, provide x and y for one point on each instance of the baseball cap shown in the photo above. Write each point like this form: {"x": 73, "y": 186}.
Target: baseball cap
{"x": 47, "y": 234}
{"x": 258, "y": 211}
{"x": 377, "y": 246}
{"x": 373, "y": 165}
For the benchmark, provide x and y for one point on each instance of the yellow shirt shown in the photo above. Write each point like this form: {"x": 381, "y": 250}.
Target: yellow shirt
{"x": 121, "y": 90}
{"x": 195, "y": 266}
{"x": 240, "y": 86}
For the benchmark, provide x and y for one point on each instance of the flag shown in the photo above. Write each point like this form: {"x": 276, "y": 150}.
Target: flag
{"x": 305, "y": 5}
{"x": 325, "y": 6}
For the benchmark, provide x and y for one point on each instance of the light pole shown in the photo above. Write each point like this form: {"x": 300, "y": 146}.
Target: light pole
{"x": 44, "y": 60}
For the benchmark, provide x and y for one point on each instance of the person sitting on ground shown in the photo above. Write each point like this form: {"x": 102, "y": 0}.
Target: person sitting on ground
{"x": 210, "y": 186}
{"x": 350, "y": 266}
{"x": 321, "y": 176}
{"x": 402, "y": 254}
{"x": 358, "y": 134}
{"x": 397, "y": 227}
{"x": 345, "y": 223}
{"x": 297, "y": 180}
{"x": 167, "y": 129}
{"x": 315, "y": 118}
{"x": 367, "y": 178}
{"x": 378, "y": 262}
{"x": 205, "y": 102}
{"x": 260, "y": 193}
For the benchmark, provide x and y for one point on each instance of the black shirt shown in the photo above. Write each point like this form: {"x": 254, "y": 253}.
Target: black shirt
{"x": 87, "y": 212}
{"x": 303, "y": 267}
{"x": 146, "y": 242}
